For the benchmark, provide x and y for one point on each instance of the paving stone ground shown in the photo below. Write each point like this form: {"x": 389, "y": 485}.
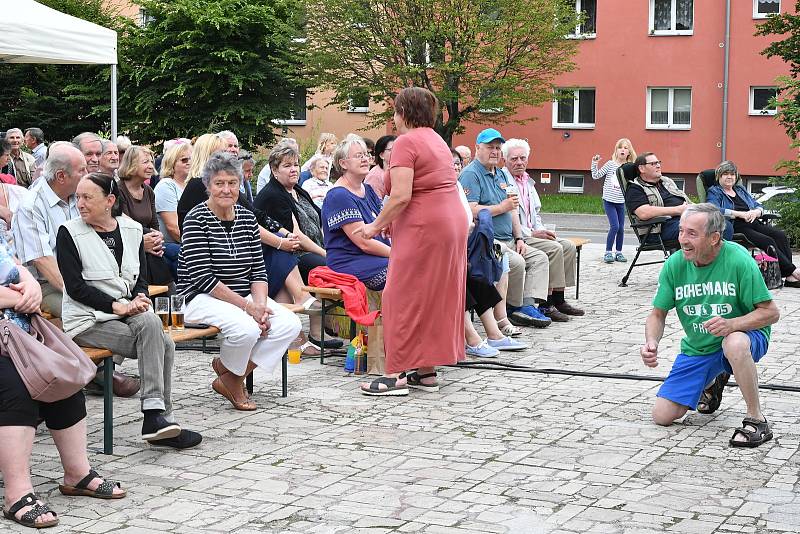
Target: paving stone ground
{"x": 492, "y": 452}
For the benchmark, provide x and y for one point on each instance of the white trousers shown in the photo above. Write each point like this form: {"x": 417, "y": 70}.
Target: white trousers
{"x": 242, "y": 339}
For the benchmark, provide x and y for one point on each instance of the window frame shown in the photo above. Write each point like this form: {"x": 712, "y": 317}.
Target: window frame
{"x": 575, "y": 124}
{"x": 652, "y": 23}
{"x": 292, "y": 120}
{"x": 577, "y": 33}
{"x": 570, "y": 189}
{"x": 756, "y": 181}
{"x": 145, "y": 18}
{"x": 352, "y": 108}
{"x": 751, "y": 99}
{"x": 680, "y": 182}
{"x": 757, "y": 15}
{"x": 670, "y": 110}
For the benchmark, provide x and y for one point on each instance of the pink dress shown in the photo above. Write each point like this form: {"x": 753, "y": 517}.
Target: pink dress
{"x": 424, "y": 300}
{"x": 375, "y": 179}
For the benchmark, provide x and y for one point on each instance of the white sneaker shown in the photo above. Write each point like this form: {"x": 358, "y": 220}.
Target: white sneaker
{"x": 483, "y": 350}
{"x": 507, "y": 344}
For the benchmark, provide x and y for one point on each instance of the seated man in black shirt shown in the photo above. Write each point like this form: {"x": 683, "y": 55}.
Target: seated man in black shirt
{"x": 653, "y": 195}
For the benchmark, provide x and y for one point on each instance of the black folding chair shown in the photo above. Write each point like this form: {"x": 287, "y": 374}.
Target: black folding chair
{"x": 625, "y": 174}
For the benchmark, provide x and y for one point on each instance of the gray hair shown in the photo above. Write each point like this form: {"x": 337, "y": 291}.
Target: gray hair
{"x": 36, "y": 133}
{"x": 123, "y": 143}
{"x": 105, "y": 144}
{"x": 12, "y": 130}
{"x": 342, "y": 150}
{"x": 58, "y": 159}
{"x": 715, "y": 222}
{"x": 227, "y": 134}
{"x": 281, "y": 151}
{"x": 726, "y": 167}
{"x": 516, "y": 143}
{"x": 85, "y": 136}
{"x": 221, "y": 162}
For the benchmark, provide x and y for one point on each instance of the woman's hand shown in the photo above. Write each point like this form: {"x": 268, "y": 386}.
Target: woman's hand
{"x": 260, "y": 314}
{"x": 154, "y": 243}
{"x": 291, "y": 243}
{"x": 31, "y": 295}
{"x": 751, "y": 215}
{"x": 368, "y": 231}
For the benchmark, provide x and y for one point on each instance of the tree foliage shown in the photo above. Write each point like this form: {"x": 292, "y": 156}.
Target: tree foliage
{"x": 490, "y": 55}
{"x": 62, "y": 99}
{"x": 786, "y": 26}
{"x": 205, "y": 65}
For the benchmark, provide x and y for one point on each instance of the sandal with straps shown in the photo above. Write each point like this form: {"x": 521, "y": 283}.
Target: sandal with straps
{"x": 104, "y": 491}
{"x": 415, "y": 381}
{"x": 760, "y": 434}
{"x": 28, "y": 519}
{"x": 711, "y": 397}
{"x": 373, "y": 389}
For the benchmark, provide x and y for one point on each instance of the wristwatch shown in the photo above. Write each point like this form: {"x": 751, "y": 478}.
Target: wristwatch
{"x": 518, "y": 239}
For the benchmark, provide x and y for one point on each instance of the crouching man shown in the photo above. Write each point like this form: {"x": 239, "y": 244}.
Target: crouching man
{"x": 726, "y": 311}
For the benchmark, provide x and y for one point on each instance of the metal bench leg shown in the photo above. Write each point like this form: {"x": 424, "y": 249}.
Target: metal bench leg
{"x": 108, "y": 406}
{"x": 285, "y": 373}
{"x": 249, "y": 383}
{"x": 321, "y": 335}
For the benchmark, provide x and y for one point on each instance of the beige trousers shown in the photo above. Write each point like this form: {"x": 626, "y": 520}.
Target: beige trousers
{"x": 527, "y": 276}
{"x": 561, "y": 255}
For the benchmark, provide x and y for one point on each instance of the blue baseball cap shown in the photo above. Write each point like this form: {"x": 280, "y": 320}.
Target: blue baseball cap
{"x": 489, "y": 135}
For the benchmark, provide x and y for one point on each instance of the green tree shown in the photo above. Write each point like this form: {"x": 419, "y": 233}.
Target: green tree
{"x": 475, "y": 55}
{"x": 63, "y": 100}
{"x": 787, "y": 27}
{"x": 205, "y": 65}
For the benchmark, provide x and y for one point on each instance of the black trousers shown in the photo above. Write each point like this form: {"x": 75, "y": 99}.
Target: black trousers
{"x": 481, "y": 296}
{"x": 763, "y": 236}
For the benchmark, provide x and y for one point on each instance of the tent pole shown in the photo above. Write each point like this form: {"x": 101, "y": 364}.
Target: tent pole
{"x": 114, "y": 102}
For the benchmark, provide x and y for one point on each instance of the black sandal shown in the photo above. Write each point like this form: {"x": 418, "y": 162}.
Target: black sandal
{"x": 712, "y": 395}
{"x": 28, "y": 519}
{"x": 104, "y": 491}
{"x": 753, "y": 438}
{"x": 391, "y": 389}
{"x": 415, "y": 381}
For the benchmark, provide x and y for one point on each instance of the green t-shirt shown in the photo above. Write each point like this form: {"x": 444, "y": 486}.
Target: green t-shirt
{"x": 729, "y": 287}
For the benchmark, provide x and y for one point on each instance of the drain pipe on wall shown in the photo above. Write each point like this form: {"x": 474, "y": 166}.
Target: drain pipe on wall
{"x": 725, "y": 80}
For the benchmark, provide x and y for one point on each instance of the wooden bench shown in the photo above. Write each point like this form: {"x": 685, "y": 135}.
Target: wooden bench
{"x": 578, "y": 242}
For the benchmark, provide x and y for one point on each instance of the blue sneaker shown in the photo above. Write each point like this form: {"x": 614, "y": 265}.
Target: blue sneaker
{"x": 482, "y": 350}
{"x": 538, "y": 318}
{"x": 506, "y": 344}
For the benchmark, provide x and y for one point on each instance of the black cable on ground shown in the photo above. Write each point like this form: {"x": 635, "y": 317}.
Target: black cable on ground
{"x": 504, "y": 366}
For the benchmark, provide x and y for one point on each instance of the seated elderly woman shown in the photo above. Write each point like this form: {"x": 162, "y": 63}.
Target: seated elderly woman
{"x": 20, "y": 295}
{"x": 221, "y": 274}
{"x": 102, "y": 259}
{"x": 138, "y": 201}
{"x": 349, "y": 205}
{"x": 292, "y": 207}
{"x": 742, "y": 211}
{"x": 319, "y": 184}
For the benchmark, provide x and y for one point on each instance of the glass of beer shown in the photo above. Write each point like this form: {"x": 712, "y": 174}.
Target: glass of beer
{"x": 178, "y": 302}
{"x": 162, "y": 310}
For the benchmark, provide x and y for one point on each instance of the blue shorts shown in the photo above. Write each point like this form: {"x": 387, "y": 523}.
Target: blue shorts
{"x": 690, "y": 375}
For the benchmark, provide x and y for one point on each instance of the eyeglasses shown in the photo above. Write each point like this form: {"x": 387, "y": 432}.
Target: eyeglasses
{"x": 245, "y": 158}
{"x": 185, "y": 160}
{"x": 362, "y": 155}
{"x": 653, "y": 163}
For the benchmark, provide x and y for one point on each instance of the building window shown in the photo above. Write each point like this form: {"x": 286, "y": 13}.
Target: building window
{"x": 358, "y": 102}
{"x": 145, "y": 18}
{"x": 671, "y": 17}
{"x": 571, "y": 183}
{"x": 588, "y": 28}
{"x": 669, "y": 108}
{"x": 680, "y": 182}
{"x": 761, "y": 100}
{"x": 297, "y": 110}
{"x": 756, "y": 186}
{"x": 573, "y": 108}
{"x": 763, "y": 8}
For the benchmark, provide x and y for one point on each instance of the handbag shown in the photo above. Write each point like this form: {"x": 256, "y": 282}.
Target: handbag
{"x": 770, "y": 270}
{"x": 51, "y": 365}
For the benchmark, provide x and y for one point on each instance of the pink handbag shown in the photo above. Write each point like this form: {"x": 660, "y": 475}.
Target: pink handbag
{"x": 50, "y": 364}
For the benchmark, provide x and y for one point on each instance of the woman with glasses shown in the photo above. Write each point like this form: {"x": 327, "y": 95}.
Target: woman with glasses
{"x": 350, "y": 205}
{"x": 613, "y": 199}
{"x": 174, "y": 173}
{"x": 383, "y": 150}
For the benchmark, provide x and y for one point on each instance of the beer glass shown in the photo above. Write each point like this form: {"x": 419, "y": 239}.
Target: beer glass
{"x": 177, "y": 304}
{"x": 162, "y": 310}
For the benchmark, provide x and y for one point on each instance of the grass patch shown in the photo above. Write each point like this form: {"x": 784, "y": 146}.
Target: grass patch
{"x": 572, "y": 203}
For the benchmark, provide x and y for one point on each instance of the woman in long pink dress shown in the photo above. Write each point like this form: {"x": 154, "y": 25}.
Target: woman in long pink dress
{"x": 423, "y": 303}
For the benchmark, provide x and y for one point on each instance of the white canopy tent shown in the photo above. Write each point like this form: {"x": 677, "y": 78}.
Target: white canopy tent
{"x": 34, "y": 33}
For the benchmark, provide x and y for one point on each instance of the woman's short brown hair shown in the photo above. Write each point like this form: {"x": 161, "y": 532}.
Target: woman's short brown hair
{"x": 417, "y": 106}
{"x": 130, "y": 161}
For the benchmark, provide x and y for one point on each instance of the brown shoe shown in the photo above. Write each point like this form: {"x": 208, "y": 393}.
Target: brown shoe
{"x": 124, "y": 385}
{"x": 220, "y": 369}
{"x": 245, "y": 406}
{"x": 554, "y": 314}
{"x": 569, "y": 309}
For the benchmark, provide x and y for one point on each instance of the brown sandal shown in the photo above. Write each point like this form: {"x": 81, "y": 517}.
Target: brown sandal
{"x": 220, "y": 369}
{"x": 245, "y": 406}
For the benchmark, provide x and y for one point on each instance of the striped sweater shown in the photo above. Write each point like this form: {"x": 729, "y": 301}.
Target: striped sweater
{"x": 211, "y": 254}
{"x": 611, "y": 189}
